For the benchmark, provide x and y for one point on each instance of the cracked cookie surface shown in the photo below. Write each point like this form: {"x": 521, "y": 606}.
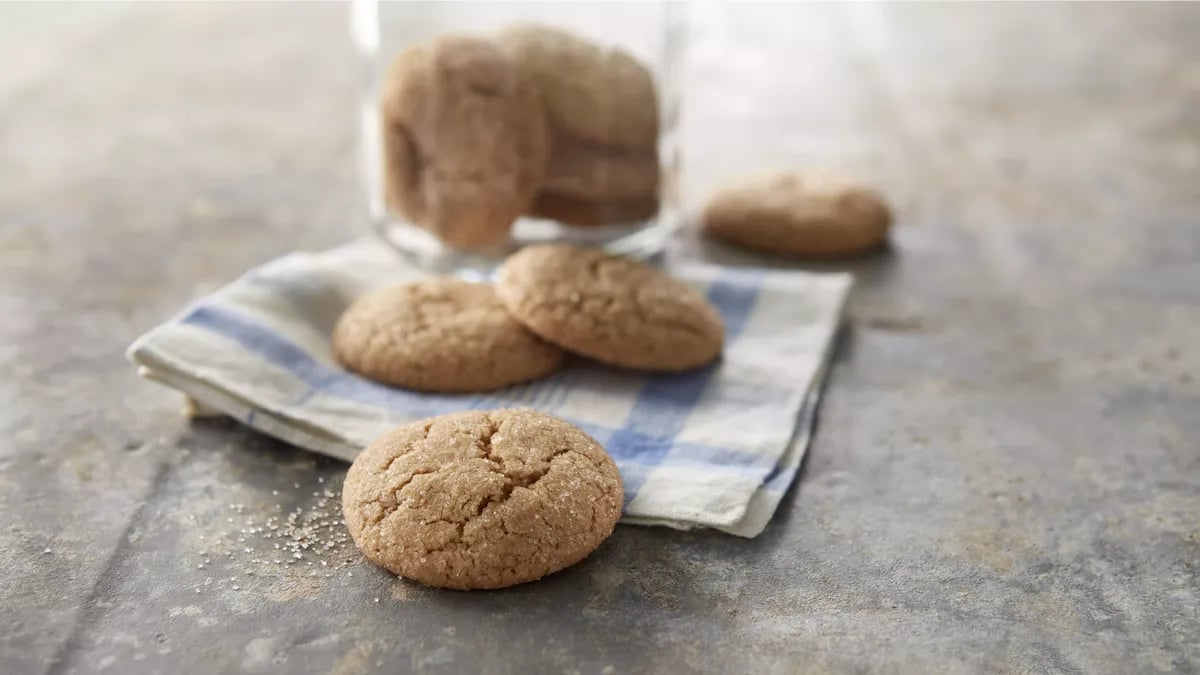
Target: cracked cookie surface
{"x": 610, "y": 308}
{"x": 804, "y": 214}
{"x": 478, "y": 500}
{"x": 440, "y": 334}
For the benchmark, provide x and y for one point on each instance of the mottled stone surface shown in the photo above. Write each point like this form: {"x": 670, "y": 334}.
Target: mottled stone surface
{"x": 1006, "y": 474}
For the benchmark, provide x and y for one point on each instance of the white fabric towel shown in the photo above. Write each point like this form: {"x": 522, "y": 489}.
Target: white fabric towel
{"x": 716, "y": 447}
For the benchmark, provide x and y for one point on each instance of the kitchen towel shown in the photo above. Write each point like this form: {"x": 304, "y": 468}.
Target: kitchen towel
{"x": 715, "y": 447}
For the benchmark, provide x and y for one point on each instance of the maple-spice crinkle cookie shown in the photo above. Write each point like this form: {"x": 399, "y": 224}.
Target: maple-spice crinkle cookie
{"x": 440, "y": 335}
{"x": 804, "y": 214}
{"x": 589, "y": 171}
{"x": 591, "y": 92}
{"x": 610, "y": 308}
{"x": 478, "y": 500}
{"x": 464, "y": 140}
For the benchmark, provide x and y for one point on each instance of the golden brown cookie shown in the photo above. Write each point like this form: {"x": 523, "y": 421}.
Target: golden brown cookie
{"x": 610, "y": 308}
{"x": 799, "y": 214}
{"x": 441, "y": 334}
{"x": 590, "y": 212}
{"x": 481, "y": 499}
{"x": 592, "y": 93}
{"x": 464, "y": 140}
{"x": 591, "y": 171}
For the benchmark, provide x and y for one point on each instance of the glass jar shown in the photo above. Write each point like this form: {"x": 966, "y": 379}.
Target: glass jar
{"x": 487, "y": 126}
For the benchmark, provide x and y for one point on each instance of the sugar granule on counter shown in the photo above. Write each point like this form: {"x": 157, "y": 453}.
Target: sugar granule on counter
{"x": 312, "y": 532}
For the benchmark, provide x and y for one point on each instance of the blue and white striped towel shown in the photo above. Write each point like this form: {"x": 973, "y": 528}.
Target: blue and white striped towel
{"x": 715, "y": 447}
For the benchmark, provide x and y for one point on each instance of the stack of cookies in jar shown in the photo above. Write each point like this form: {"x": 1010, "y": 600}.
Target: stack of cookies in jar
{"x": 479, "y": 131}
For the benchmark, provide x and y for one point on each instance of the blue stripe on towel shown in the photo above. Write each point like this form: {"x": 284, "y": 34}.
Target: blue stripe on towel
{"x": 304, "y": 367}
{"x": 780, "y": 478}
{"x": 665, "y": 402}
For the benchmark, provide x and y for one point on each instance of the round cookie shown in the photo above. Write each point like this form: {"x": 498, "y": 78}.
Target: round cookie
{"x": 590, "y": 92}
{"x": 477, "y": 499}
{"x": 464, "y": 140}
{"x": 612, "y": 309}
{"x": 443, "y": 335}
{"x": 588, "y": 171}
{"x": 590, "y": 212}
{"x": 799, "y": 214}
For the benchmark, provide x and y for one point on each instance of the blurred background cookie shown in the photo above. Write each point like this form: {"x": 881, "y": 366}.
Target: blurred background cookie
{"x": 597, "y": 172}
{"x": 592, "y": 93}
{"x": 576, "y": 211}
{"x": 804, "y": 214}
{"x": 465, "y": 139}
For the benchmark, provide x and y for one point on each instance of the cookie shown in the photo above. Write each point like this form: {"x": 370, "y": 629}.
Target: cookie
{"x": 442, "y": 335}
{"x": 464, "y": 140}
{"x": 799, "y": 214}
{"x": 590, "y": 171}
{"x": 588, "y": 212}
{"x": 612, "y": 309}
{"x": 477, "y": 499}
{"x": 593, "y": 93}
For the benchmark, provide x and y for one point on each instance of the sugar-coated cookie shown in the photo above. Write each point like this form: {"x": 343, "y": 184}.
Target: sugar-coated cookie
{"x": 610, "y": 308}
{"x": 464, "y": 140}
{"x": 799, "y": 214}
{"x": 589, "y": 171}
{"x": 478, "y": 500}
{"x": 575, "y": 211}
{"x": 591, "y": 93}
{"x": 440, "y": 335}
